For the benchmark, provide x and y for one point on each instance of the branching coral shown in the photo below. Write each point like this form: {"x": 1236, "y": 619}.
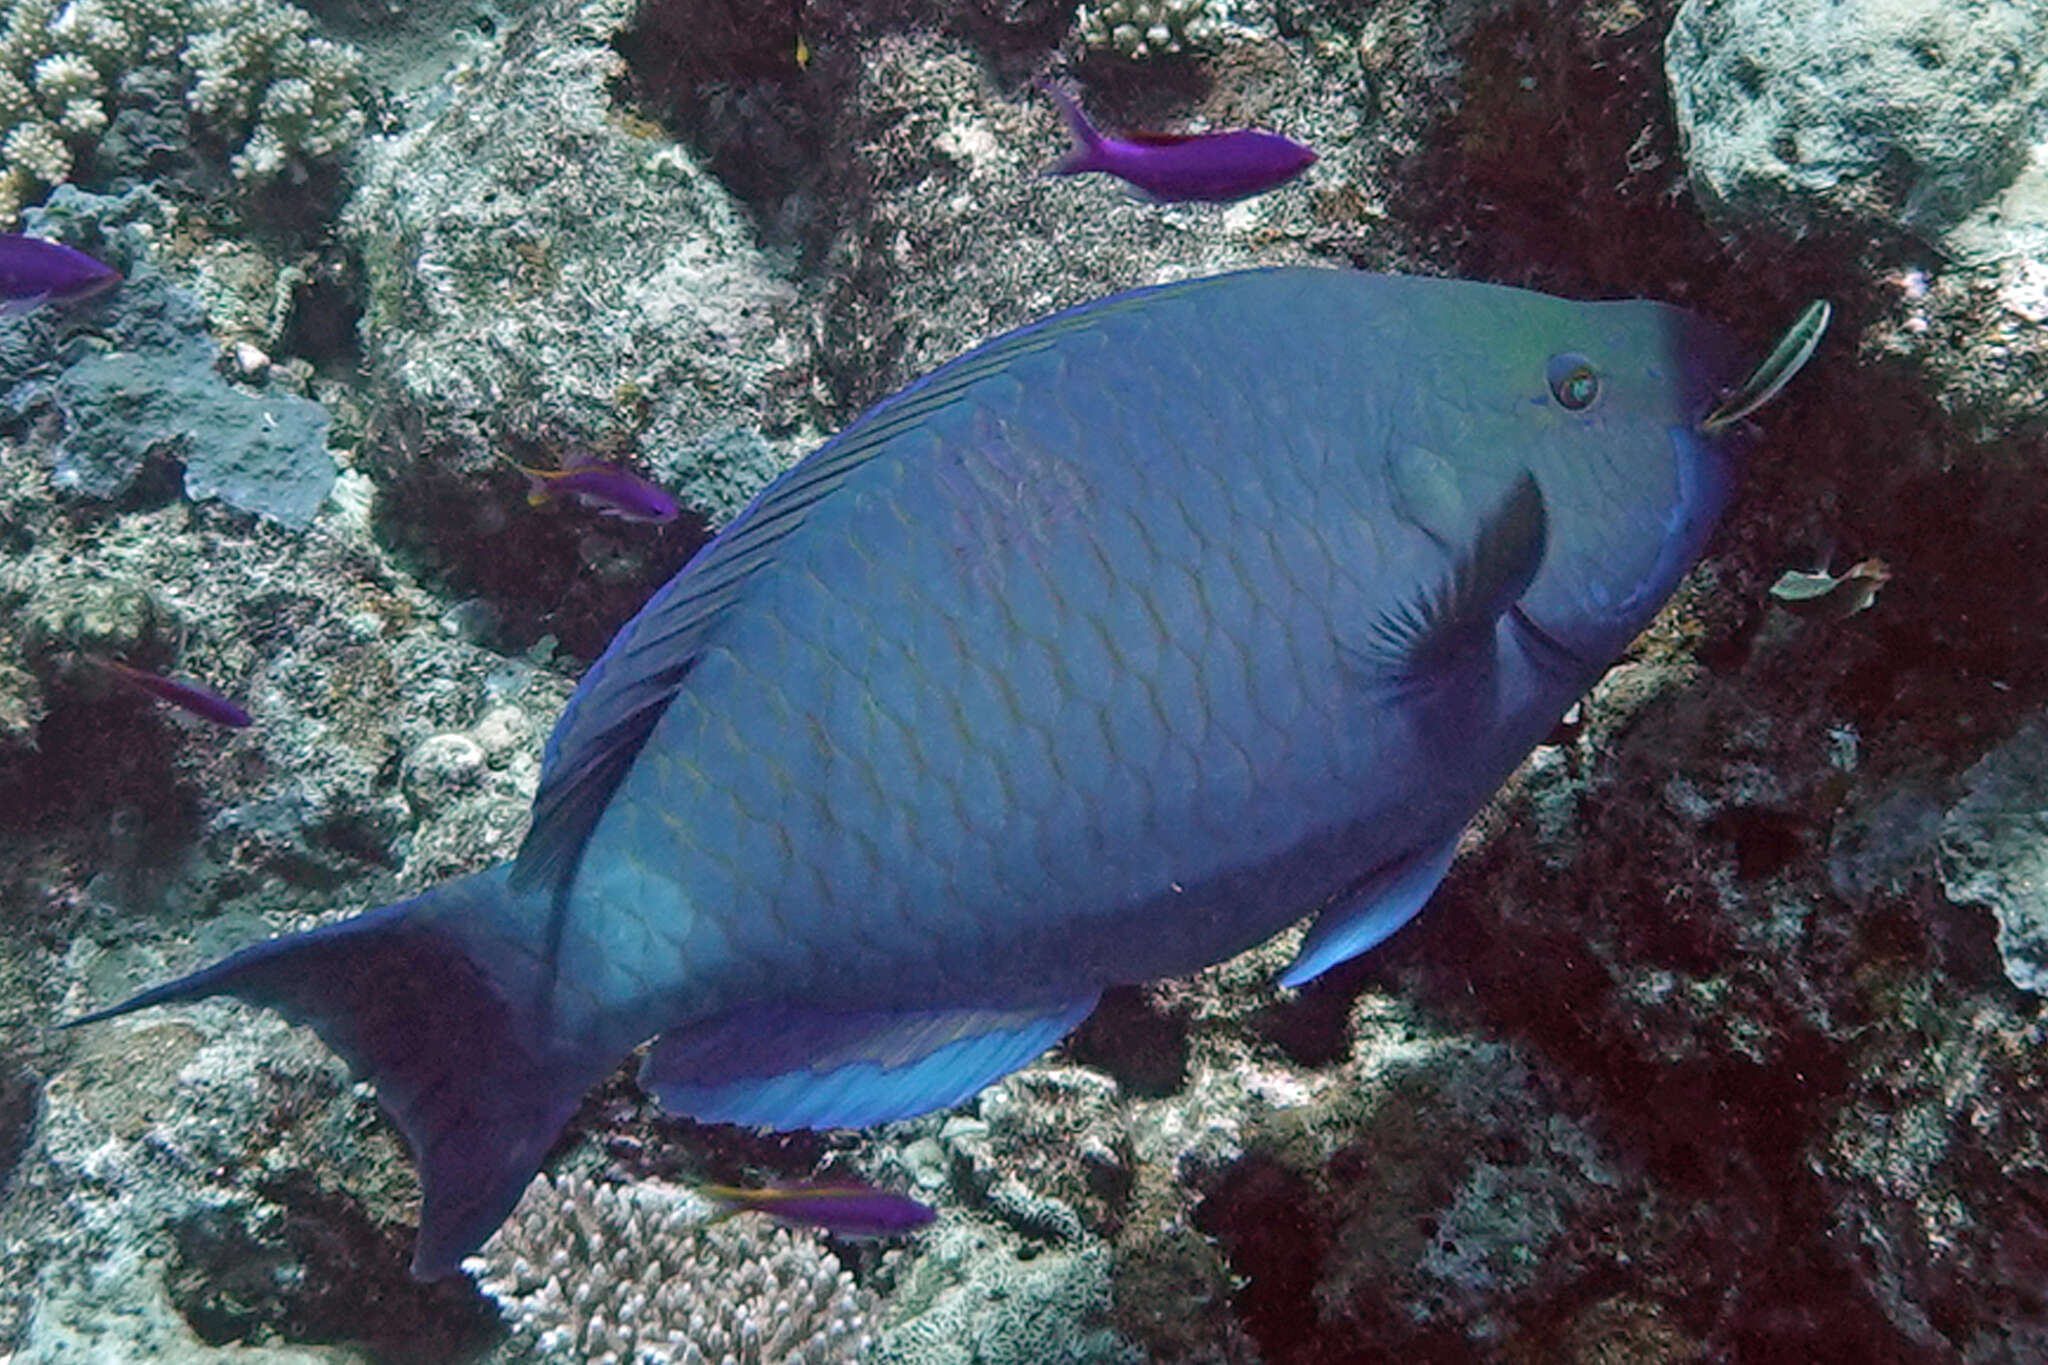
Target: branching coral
{"x": 1137, "y": 29}
{"x": 254, "y": 75}
{"x": 634, "y": 1276}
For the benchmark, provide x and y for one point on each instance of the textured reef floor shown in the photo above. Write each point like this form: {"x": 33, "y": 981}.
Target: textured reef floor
{"x": 1722, "y": 1041}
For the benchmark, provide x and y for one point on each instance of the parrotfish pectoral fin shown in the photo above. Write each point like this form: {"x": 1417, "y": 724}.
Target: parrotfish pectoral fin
{"x": 1394, "y": 895}
{"x": 796, "y": 1068}
{"x": 471, "y": 1076}
{"x": 1452, "y": 622}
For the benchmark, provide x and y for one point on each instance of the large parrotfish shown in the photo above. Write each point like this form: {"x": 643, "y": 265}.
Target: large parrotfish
{"x": 1101, "y": 653}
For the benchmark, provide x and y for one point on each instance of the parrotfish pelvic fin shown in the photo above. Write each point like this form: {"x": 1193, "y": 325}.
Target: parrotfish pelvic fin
{"x": 1451, "y": 623}
{"x": 434, "y": 1000}
{"x": 1363, "y": 919}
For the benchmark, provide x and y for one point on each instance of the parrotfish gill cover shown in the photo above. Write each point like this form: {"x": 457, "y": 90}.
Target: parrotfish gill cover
{"x": 1102, "y": 653}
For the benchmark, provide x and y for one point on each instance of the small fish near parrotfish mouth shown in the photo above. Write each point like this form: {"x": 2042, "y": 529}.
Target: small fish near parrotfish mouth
{"x": 1105, "y": 651}
{"x": 34, "y": 272}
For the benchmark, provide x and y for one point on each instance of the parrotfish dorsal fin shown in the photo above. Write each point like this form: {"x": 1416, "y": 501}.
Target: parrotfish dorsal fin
{"x": 1453, "y": 618}
{"x": 624, "y": 693}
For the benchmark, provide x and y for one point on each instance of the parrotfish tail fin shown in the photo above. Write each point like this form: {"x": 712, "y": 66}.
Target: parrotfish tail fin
{"x": 1087, "y": 152}
{"x": 435, "y": 1001}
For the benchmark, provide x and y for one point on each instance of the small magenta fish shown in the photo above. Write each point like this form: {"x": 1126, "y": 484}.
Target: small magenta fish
{"x": 34, "y": 272}
{"x": 1215, "y": 168}
{"x": 186, "y": 696}
{"x": 846, "y": 1208}
{"x": 613, "y": 491}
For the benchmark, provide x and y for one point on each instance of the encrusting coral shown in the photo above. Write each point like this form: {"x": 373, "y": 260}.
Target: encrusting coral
{"x": 634, "y": 1275}
{"x": 253, "y": 74}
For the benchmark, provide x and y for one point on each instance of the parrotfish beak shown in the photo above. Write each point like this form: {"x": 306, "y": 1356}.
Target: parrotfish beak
{"x": 1786, "y": 359}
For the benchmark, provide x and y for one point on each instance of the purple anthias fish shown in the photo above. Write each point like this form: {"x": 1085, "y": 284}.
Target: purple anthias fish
{"x": 847, "y": 1209}
{"x": 186, "y": 696}
{"x": 613, "y": 491}
{"x": 1210, "y": 167}
{"x": 34, "y": 272}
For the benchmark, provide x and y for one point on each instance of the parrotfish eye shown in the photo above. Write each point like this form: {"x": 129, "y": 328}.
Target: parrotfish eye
{"x": 1573, "y": 382}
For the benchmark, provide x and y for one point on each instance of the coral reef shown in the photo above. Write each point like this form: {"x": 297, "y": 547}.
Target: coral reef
{"x": 256, "y": 78}
{"x": 1710, "y": 1047}
{"x": 1992, "y": 851}
{"x": 1909, "y": 113}
{"x": 634, "y": 1276}
{"x": 158, "y": 392}
{"x": 951, "y": 166}
{"x": 535, "y": 263}
{"x": 1137, "y": 29}
{"x": 204, "y": 1134}
{"x": 1047, "y": 1152}
{"x": 1918, "y": 121}
{"x": 977, "y": 1296}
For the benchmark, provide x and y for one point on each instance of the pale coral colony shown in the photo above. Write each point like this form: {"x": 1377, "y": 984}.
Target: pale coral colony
{"x": 255, "y": 73}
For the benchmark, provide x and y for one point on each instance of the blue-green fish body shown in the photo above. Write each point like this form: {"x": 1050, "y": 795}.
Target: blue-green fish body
{"x": 1103, "y": 652}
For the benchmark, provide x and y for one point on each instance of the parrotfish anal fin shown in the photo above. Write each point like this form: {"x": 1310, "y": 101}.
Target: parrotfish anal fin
{"x": 1451, "y": 622}
{"x": 624, "y": 693}
{"x": 793, "y": 1068}
{"x": 478, "y": 1086}
{"x": 1365, "y": 918}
